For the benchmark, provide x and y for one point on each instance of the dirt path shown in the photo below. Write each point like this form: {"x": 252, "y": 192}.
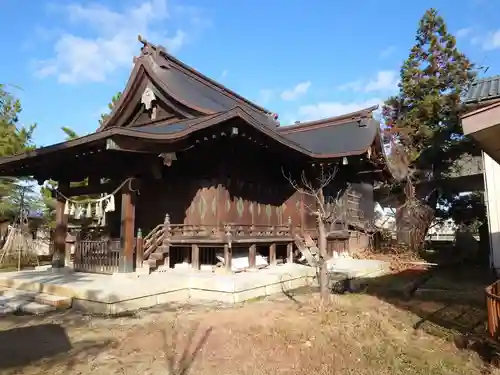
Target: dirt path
{"x": 359, "y": 335}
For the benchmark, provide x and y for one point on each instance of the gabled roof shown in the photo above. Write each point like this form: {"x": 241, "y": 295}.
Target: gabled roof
{"x": 189, "y": 91}
{"x": 483, "y": 89}
{"x": 331, "y": 140}
{"x": 191, "y": 102}
{"x": 342, "y": 134}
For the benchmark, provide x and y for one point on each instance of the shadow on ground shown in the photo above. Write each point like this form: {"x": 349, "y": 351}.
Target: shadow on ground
{"x": 59, "y": 342}
{"x": 47, "y": 344}
{"x": 449, "y": 301}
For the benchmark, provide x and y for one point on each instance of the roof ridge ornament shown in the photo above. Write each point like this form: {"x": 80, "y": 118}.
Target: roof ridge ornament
{"x": 157, "y": 53}
{"x": 274, "y": 116}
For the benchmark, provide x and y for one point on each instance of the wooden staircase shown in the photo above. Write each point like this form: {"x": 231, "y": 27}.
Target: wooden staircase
{"x": 156, "y": 246}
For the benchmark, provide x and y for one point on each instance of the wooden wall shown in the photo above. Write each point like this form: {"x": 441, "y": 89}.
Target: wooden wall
{"x": 230, "y": 181}
{"x": 227, "y": 181}
{"x": 217, "y": 201}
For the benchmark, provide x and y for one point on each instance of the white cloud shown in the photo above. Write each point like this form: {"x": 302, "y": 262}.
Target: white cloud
{"x": 113, "y": 42}
{"x": 328, "y": 109}
{"x": 385, "y": 80}
{"x": 224, "y": 74}
{"x": 294, "y": 93}
{"x": 352, "y": 86}
{"x": 464, "y": 32}
{"x": 491, "y": 41}
{"x": 386, "y": 52}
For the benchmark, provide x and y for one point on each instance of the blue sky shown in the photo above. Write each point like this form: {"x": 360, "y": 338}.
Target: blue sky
{"x": 302, "y": 59}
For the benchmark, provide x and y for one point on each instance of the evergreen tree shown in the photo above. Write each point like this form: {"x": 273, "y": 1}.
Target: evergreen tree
{"x": 14, "y": 138}
{"x": 114, "y": 100}
{"x": 70, "y": 133}
{"x": 423, "y": 118}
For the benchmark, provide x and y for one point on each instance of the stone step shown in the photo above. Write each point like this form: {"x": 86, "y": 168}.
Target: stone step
{"x": 12, "y": 300}
{"x": 36, "y": 308}
{"x": 16, "y": 303}
{"x": 57, "y": 302}
{"x": 6, "y": 310}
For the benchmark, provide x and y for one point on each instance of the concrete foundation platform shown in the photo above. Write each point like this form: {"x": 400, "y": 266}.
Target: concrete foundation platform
{"x": 116, "y": 294}
{"x": 358, "y": 271}
{"x": 355, "y": 268}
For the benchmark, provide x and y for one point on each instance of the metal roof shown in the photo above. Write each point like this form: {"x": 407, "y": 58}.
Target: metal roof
{"x": 339, "y": 138}
{"x": 483, "y": 89}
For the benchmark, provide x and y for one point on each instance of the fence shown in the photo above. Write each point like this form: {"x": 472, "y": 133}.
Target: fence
{"x": 100, "y": 256}
{"x": 493, "y": 309}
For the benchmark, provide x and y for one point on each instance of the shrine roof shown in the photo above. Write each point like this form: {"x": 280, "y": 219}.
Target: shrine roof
{"x": 483, "y": 89}
{"x": 323, "y": 139}
{"x": 189, "y": 101}
{"x": 342, "y": 135}
{"x": 191, "y": 93}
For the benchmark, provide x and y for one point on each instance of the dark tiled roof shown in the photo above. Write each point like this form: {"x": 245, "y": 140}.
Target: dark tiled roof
{"x": 337, "y": 139}
{"x": 483, "y": 89}
{"x": 351, "y": 136}
{"x": 201, "y": 94}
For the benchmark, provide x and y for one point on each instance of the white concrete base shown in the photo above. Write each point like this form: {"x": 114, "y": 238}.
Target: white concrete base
{"x": 36, "y": 308}
{"x": 111, "y": 295}
{"x": 43, "y": 268}
{"x": 31, "y": 302}
{"x": 6, "y": 310}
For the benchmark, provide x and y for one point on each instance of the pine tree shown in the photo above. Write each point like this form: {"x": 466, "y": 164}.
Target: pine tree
{"x": 114, "y": 100}
{"x": 423, "y": 118}
{"x": 14, "y": 138}
{"x": 70, "y": 133}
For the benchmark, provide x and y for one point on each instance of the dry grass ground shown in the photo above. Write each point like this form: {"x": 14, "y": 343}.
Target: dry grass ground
{"x": 359, "y": 335}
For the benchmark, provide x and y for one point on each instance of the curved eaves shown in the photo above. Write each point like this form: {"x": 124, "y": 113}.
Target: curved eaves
{"x": 126, "y": 95}
{"x": 183, "y": 132}
{"x": 241, "y": 113}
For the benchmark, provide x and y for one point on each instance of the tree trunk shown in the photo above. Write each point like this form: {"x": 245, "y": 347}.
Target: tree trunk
{"x": 415, "y": 217}
{"x": 323, "y": 271}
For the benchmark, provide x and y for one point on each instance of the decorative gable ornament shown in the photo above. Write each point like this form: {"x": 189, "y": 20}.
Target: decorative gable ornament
{"x": 147, "y": 98}
{"x": 168, "y": 158}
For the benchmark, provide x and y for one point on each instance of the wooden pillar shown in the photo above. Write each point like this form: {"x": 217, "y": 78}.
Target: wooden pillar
{"x": 195, "y": 257}
{"x": 252, "y": 253}
{"x": 139, "y": 250}
{"x": 289, "y": 253}
{"x": 228, "y": 257}
{"x": 272, "y": 254}
{"x": 61, "y": 227}
{"x": 166, "y": 241}
{"x": 127, "y": 230}
{"x": 166, "y": 256}
{"x": 331, "y": 247}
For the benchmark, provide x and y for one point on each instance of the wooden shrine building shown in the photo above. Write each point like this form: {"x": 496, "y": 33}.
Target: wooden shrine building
{"x": 197, "y": 169}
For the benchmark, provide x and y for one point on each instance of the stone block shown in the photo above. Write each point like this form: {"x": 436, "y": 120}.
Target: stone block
{"x": 36, "y": 308}
{"x": 6, "y": 310}
{"x": 16, "y": 303}
{"x": 58, "y": 302}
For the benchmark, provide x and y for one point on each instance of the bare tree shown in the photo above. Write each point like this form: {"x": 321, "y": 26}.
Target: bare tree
{"x": 414, "y": 214}
{"x": 326, "y": 209}
{"x": 181, "y": 346}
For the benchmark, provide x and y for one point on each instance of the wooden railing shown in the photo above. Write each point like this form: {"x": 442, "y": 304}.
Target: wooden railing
{"x": 153, "y": 240}
{"x": 99, "y": 256}
{"x": 166, "y": 233}
{"x": 493, "y": 309}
